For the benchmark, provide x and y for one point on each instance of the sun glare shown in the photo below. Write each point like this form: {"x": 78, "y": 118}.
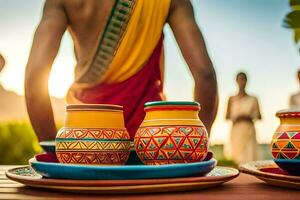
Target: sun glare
{"x": 61, "y": 77}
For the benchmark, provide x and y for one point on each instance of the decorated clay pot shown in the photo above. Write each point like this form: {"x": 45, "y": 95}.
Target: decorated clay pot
{"x": 171, "y": 133}
{"x": 286, "y": 140}
{"x": 93, "y": 135}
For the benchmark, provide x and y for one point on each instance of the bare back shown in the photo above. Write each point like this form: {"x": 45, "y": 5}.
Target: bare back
{"x": 86, "y": 22}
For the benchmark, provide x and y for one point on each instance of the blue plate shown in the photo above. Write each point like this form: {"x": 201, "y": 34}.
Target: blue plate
{"x": 290, "y": 166}
{"x": 126, "y": 172}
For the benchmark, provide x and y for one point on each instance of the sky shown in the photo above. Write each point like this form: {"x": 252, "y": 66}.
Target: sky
{"x": 240, "y": 36}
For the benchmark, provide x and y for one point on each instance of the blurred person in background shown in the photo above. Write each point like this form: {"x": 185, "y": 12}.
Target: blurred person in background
{"x": 2, "y": 62}
{"x": 243, "y": 110}
{"x": 295, "y": 98}
{"x": 119, "y": 52}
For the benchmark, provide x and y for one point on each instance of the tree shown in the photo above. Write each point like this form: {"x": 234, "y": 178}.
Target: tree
{"x": 292, "y": 19}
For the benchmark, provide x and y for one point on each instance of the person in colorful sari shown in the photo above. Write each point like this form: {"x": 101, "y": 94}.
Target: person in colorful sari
{"x": 119, "y": 52}
{"x": 243, "y": 110}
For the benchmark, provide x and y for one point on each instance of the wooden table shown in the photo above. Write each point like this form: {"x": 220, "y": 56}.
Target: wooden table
{"x": 243, "y": 188}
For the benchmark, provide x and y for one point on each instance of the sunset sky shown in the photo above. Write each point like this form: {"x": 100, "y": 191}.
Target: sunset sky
{"x": 240, "y": 35}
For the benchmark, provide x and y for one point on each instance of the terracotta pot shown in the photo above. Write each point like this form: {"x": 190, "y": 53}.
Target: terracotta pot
{"x": 171, "y": 133}
{"x": 93, "y": 134}
{"x": 286, "y": 140}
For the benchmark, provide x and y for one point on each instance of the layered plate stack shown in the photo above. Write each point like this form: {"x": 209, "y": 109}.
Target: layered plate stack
{"x": 271, "y": 173}
{"x": 46, "y": 172}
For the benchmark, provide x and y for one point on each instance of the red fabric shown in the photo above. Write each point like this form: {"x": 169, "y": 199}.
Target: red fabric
{"x": 274, "y": 170}
{"x": 133, "y": 93}
{"x": 47, "y": 157}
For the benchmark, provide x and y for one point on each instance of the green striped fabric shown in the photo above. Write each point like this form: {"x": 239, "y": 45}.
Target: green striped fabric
{"x": 110, "y": 40}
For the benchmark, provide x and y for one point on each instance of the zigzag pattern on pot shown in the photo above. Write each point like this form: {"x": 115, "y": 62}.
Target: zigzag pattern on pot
{"x": 93, "y": 145}
{"x": 93, "y": 133}
{"x": 93, "y": 158}
{"x": 174, "y": 144}
{"x": 286, "y": 145}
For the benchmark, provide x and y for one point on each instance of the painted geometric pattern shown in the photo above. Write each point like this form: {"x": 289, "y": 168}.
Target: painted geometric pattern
{"x": 93, "y": 133}
{"x": 92, "y": 145}
{"x": 286, "y": 145}
{"x": 173, "y": 144}
{"x": 93, "y": 158}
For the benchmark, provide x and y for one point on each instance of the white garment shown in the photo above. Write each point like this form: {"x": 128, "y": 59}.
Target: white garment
{"x": 243, "y": 145}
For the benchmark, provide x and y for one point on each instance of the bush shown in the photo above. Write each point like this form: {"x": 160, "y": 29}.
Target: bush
{"x": 18, "y": 143}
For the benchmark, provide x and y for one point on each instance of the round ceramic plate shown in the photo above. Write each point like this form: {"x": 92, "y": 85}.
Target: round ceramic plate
{"x": 217, "y": 176}
{"x": 269, "y": 172}
{"x": 92, "y": 172}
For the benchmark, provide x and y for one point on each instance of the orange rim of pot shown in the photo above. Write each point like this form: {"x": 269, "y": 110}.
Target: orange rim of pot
{"x": 288, "y": 113}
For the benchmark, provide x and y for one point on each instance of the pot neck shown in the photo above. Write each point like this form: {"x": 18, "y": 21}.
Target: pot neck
{"x": 171, "y": 117}
{"x": 94, "y": 119}
{"x": 290, "y": 120}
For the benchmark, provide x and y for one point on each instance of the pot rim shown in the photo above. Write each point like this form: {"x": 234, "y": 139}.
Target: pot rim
{"x": 291, "y": 112}
{"x": 171, "y": 103}
{"x": 83, "y": 107}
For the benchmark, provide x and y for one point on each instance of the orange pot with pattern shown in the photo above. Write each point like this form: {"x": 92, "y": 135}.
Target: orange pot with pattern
{"x": 286, "y": 140}
{"x": 171, "y": 133}
{"x": 93, "y": 135}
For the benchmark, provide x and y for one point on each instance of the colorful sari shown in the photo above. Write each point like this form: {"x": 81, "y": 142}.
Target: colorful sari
{"x": 127, "y": 68}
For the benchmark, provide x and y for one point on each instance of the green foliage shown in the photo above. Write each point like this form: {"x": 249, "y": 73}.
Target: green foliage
{"x": 292, "y": 19}
{"x": 18, "y": 143}
{"x": 227, "y": 163}
{"x": 218, "y": 151}
{"x": 294, "y": 2}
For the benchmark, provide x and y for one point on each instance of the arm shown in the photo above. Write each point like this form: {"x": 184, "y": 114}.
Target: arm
{"x": 44, "y": 49}
{"x": 258, "y": 114}
{"x": 291, "y": 102}
{"x": 192, "y": 46}
{"x": 2, "y": 62}
{"x": 228, "y": 114}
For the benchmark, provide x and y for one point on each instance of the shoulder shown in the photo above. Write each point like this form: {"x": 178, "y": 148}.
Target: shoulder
{"x": 295, "y": 95}
{"x": 253, "y": 99}
{"x": 53, "y": 7}
{"x": 54, "y": 10}
{"x": 182, "y": 5}
{"x": 251, "y": 96}
{"x": 177, "y": 3}
{"x": 54, "y": 4}
{"x": 231, "y": 99}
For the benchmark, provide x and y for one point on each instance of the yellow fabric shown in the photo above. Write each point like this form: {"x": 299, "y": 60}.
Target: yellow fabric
{"x": 142, "y": 35}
